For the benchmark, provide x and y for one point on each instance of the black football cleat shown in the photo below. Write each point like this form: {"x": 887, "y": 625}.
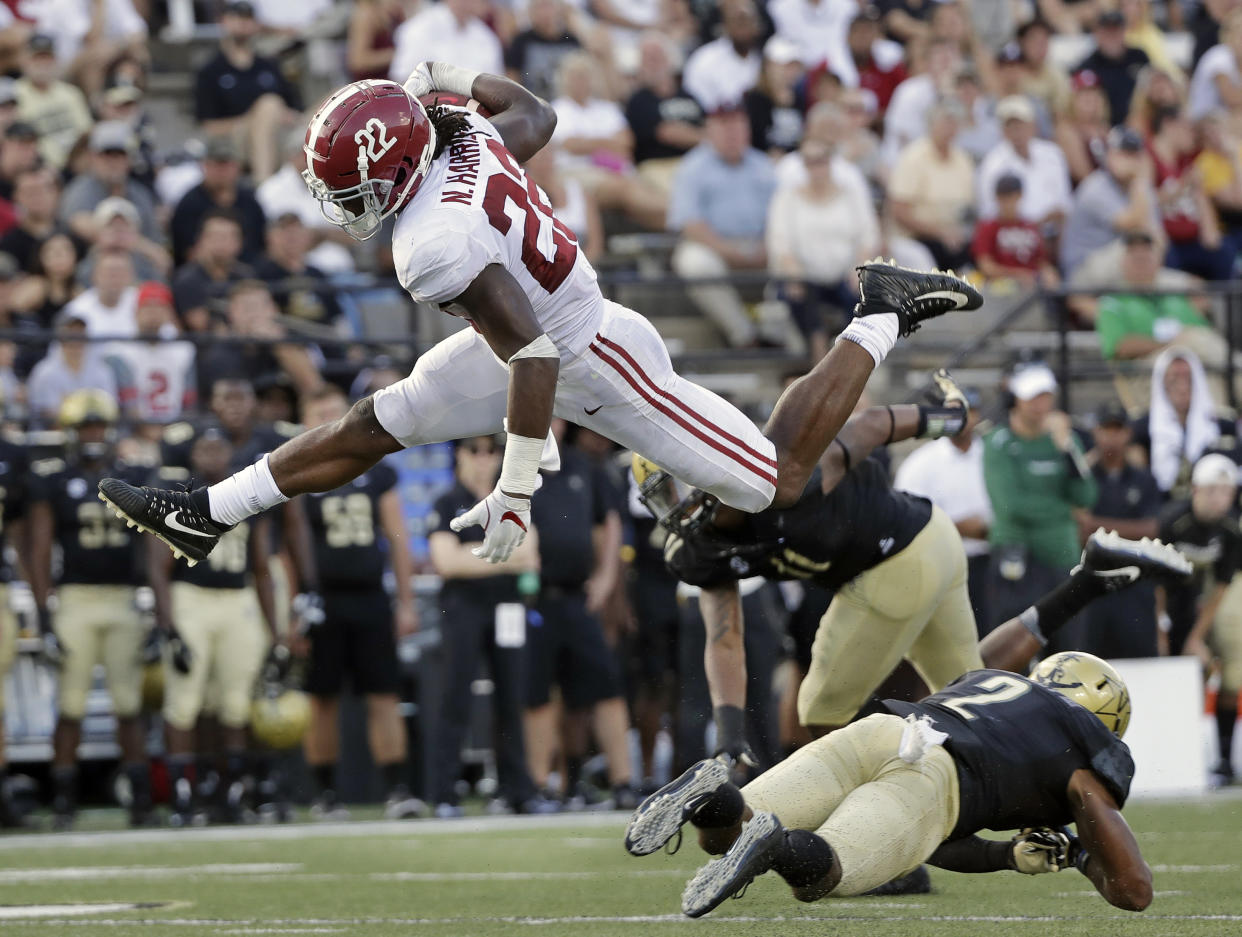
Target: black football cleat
{"x": 660, "y": 817}
{"x": 749, "y": 857}
{"x": 168, "y": 515}
{"x": 914, "y": 295}
{"x": 1121, "y": 563}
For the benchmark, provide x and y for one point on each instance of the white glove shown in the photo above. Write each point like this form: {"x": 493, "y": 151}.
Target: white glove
{"x": 1036, "y": 851}
{"x": 505, "y": 521}
{"x": 419, "y": 82}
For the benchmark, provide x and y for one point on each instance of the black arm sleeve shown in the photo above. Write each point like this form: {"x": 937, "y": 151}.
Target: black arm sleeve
{"x": 973, "y": 854}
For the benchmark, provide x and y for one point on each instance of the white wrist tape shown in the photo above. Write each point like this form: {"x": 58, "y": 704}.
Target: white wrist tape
{"x": 877, "y": 334}
{"x": 453, "y": 78}
{"x": 541, "y": 347}
{"x": 519, "y": 473}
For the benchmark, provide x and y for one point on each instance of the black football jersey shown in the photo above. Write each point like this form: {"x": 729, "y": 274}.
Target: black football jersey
{"x": 350, "y": 548}
{"x": 179, "y": 439}
{"x": 826, "y": 538}
{"x": 1016, "y": 744}
{"x": 14, "y": 468}
{"x": 1215, "y": 551}
{"x": 96, "y": 546}
{"x": 228, "y": 564}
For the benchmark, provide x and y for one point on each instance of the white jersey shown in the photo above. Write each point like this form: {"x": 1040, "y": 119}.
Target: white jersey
{"x": 476, "y": 207}
{"x": 156, "y": 379}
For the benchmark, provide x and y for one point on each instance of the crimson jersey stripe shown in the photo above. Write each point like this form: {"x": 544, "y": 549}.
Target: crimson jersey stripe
{"x": 643, "y": 392}
{"x": 765, "y": 460}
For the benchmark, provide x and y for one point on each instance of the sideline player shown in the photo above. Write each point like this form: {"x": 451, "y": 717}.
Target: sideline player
{"x": 895, "y": 562}
{"x": 475, "y": 234}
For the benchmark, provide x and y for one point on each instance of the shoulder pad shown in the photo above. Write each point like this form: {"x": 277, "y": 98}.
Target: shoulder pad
{"x": 287, "y": 429}
{"x": 178, "y": 433}
{"x": 47, "y": 467}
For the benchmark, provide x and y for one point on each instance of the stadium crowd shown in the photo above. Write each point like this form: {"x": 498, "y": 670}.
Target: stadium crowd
{"x": 180, "y": 306}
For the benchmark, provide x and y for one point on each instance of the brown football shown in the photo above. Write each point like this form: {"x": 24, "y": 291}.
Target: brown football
{"x": 448, "y": 99}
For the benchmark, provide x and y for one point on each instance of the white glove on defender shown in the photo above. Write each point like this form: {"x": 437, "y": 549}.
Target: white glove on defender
{"x": 505, "y": 521}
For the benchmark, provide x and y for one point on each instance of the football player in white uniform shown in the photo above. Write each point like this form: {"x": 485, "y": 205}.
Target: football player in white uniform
{"x": 475, "y": 235}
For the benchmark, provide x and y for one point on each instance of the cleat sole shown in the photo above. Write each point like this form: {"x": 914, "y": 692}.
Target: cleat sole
{"x": 176, "y": 552}
{"x": 660, "y": 817}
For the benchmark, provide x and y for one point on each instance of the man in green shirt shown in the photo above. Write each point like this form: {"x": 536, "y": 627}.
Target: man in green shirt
{"x": 1036, "y": 476}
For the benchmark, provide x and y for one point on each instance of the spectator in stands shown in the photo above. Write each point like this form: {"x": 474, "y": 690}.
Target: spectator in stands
{"x": 1009, "y": 80}
{"x": 1115, "y": 200}
{"x": 154, "y": 374}
{"x": 828, "y": 124}
{"x": 8, "y": 102}
{"x": 573, "y": 204}
{"x": 1217, "y": 80}
{"x": 1045, "y": 79}
{"x": 111, "y": 147}
{"x": 482, "y": 603}
{"x": 1082, "y": 128}
{"x": 1182, "y": 423}
{"x": 449, "y": 31}
{"x": 773, "y": 105}
{"x": 816, "y": 233}
{"x": 907, "y": 20}
{"x": 908, "y": 115}
{"x": 1007, "y": 246}
{"x": 1129, "y": 502}
{"x": 369, "y": 40}
{"x": 931, "y": 188}
{"x": 17, "y": 357}
{"x": 719, "y": 72}
{"x": 666, "y": 121}
{"x": 1205, "y": 25}
{"x": 719, "y": 207}
{"x": 108, "y": 306}
{"x": 116, "y": 222}
{"x": 36, "y": 196}
{"x": 1190, "y": 223}
{"x": 949, "y": 472}
{"x": 857, "y": 143}
{"x": 243, "y": 95}
{"x": 222, "y": 188}
{"x": 71, "y": 364}
{"x": 56, "y": 109}
{"x": 52, "y": 281}
{"x": 90, "y": 34}
{"x": 980, "y": 131}
{"x": 252, "y": 314}
{"x": 875, "y": 64}
{"x": 200, "y": 285}
{"x": 816, "y": 28}
{"x": 124, "y": 103}
{"x": 1040, "y": 165}
{"x": 1036, "y": 476}
{"x": 18, "y": 153}
{"x": 1114, "y": 62}
{"x": 1219, "y": 168}
{"x": 1155, "y": 90}
{"x": 300, "y": 289}
{"x": 1143, "y": 33}
{"x": 534, "y": 56}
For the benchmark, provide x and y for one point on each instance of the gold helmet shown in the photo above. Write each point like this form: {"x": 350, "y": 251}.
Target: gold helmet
{"x": 89, "y": 405}
{"x": 1091, "y": 682}
{"x": 280, "y": 719}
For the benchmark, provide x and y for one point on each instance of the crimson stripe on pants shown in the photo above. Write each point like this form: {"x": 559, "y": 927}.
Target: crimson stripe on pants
{"x": 767, "y": 476}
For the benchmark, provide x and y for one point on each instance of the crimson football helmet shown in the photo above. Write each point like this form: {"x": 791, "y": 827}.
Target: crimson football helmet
{"x": 368, "y": 148}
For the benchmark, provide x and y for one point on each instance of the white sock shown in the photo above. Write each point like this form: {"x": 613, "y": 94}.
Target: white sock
{"x": 876, "y": 333}
{"x": 244, "y": 493}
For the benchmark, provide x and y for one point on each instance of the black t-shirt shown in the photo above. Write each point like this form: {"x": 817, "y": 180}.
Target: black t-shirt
{"x": 1117, "y": 78}
{"x": 97, "y": 547}
{"x": 772, "y": 127}
{"x": 645, "y": 111}
{"x": 827, "y": 538}
{"x": 1131, "y": 494}
{"x": 350, "y": 549}
{"x": 178, "y": 440}
{"x": 193, "y": 287}
{"x": 187, "y": 219}
{"x": 305, "y": 296}
{"x": 485, "y": 591}
{"x": 14, "y": 472}
{"x": 564, "y": 511}
{"x": 222, "y": 90}
{"x": 1016, "y": 744}
{"x": 1215, "y": 551}
{"x": 536, "y": 58}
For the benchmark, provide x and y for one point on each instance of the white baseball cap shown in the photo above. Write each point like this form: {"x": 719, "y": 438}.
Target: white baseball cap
{"x": 1032, "y": 381}
{"x": 1215, "y": 469}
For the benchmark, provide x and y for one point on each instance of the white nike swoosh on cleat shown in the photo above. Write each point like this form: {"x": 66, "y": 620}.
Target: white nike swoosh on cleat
{"x": 170, "y": 520}
{"x": 961, "y": 299}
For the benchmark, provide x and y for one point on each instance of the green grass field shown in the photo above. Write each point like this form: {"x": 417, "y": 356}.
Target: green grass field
{"x": 559, "y": 876}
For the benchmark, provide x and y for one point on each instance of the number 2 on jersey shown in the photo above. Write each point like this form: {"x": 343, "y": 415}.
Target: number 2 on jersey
{"x": 1000, "y": 689}
{"x": 549, "y": 249}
